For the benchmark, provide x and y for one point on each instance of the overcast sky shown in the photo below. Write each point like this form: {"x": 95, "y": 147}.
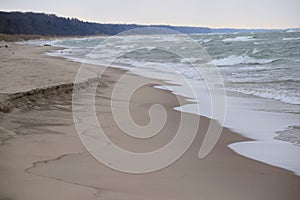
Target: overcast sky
{"x": 210, "y": 13}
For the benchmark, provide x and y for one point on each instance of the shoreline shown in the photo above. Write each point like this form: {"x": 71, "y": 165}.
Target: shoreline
{"x": 268, "y": 115}
{"x": 188, "y": 177}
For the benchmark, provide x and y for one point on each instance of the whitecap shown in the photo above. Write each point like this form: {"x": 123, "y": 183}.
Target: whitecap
{"x": 242, "y": 59}
{"x": 239, "y": 39}
{"x": 286, "y": 39}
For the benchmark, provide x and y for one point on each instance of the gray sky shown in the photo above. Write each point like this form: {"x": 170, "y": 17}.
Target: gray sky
{"x": 211, "y": 13}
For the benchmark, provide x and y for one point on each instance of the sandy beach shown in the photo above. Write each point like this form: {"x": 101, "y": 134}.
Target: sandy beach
{"x": 42, "y": 157}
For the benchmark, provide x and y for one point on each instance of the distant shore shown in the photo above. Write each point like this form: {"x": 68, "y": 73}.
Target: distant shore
{"x": 26, "y": 37}
{"x": 43, "y": 158}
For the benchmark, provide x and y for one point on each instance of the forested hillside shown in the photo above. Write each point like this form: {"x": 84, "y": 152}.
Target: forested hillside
{"x": 52, "y": 25}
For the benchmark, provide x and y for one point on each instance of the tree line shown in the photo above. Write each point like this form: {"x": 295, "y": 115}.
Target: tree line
{"x": 52, "y": 25}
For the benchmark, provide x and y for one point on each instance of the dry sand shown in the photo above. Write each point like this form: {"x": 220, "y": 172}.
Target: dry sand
{"x": 41, "y": 156}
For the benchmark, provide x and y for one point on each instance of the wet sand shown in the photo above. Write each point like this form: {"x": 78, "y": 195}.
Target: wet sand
{"x": 42, "y": 156}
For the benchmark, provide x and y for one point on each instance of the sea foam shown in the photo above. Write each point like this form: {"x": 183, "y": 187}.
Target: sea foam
{"x": 239, "y": 39}
{"x": 241, "y": 59}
